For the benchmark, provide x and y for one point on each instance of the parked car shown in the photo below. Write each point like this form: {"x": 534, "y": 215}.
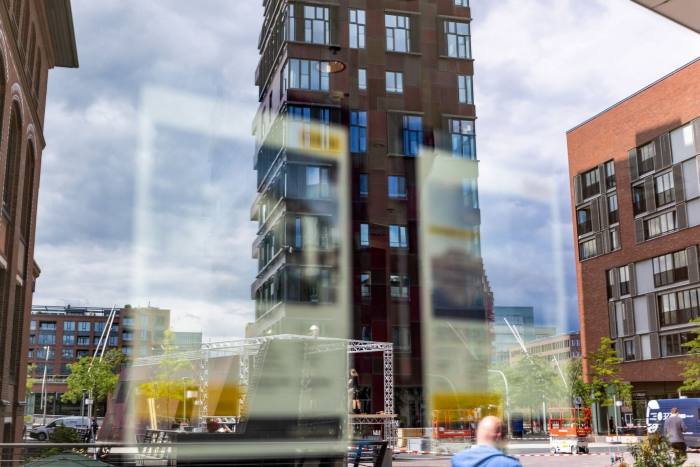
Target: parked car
{"x": 43, "y": 432}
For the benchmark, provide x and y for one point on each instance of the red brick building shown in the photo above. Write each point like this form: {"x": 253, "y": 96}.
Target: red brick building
{"x": 636, "y": 208}
{"x": 35, "y": 36}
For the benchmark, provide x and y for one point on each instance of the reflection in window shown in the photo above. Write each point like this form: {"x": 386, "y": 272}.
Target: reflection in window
{"x": 364, "y": 185}
{"x": 683, "y": 143}
{"x": 679, "y": 307}
{"x": 398, "y": 236}
{"x": 358, "y": 132}
{"x": 610, "y": 181}
{"x": 362, "y": 79}
{"x": 624, "y": 272}
{"x": 670, "y": 268}
{"x": 591, "y": 183}
{"x": 629, "y": 350}
{"x": 394, "y": 81}
{"x": 316, "y": 25}
{"x": 412, "y": 134}
{"x": 583, "y": 220}
{"x": 645, "y": 162}
{"x": 465, "y": 87}
{"x": 660, "y": 225}
{"x": 462, "y": 138}
{"x": 365, "y": 285}
{"x": 470, "y": 193}
{"x": 673, "y": 344}
{"x": 639, "y": 201}
{"x": 364, "y": 234}
{"x": 398, "y": 286}
{"x": 317, "y": 182}
{"x": 457, "y": 37}
{"x": 397, "y": 186}
{"x": 588, "y": 249}
{"x": 398, "y": 37}
{"x": 357, "y": 29}
{"x": 663, "y": 187}
{"x": 613, "y": 213}
{"x": 305, "y": 74}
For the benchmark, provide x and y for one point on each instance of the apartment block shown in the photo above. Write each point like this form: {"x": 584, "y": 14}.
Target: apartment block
{"x": 396, "y": 78}
{"x": 636, "y": 210}
{"x": 562, "y": 347}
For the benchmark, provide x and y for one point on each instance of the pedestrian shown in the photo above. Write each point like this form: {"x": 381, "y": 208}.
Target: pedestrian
{"x": 673, "y": 429}
{"x": 611, "y": 426}
{"x": 94, "y": 428}
{"x": 354, "y": 385}
{"x": 486, "y": 453}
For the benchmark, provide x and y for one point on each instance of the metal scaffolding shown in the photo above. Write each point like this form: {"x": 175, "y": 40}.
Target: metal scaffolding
{"x": 251, "y": 351}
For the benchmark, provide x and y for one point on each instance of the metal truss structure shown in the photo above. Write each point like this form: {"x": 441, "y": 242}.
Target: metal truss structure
{"x": 252, "y": 351}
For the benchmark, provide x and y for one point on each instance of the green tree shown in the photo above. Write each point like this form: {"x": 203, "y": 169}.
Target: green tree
{"x": 169, "y": 383}
{"x": 532, "y": 380}
{"x": 578, "y": 387}
{"x": 101, "y": 378}
{"x": 604, "y": 367}
{"x": 29, "y": 383}
{"x": 691, "y": 365}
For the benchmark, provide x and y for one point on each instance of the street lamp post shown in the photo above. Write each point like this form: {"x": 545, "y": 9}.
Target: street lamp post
{"x": 184, "y": 399}
{"x": 43, "y": 384}
{"x": 505, "y": 383}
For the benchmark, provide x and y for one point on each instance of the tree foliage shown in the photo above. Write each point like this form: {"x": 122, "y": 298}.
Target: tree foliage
{"x": 654, "y": 451}
{"x": 101, "y": 378}
{"x": 169, "y": 384}
{"x": 604, "y": 366}
{"x": 531, "y": 381}
{"x": 691, "y": 365}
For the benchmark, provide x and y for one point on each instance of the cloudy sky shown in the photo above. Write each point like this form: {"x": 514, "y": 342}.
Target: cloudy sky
{"x": 180, "y": 239}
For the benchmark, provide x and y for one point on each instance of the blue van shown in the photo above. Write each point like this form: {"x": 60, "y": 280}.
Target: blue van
{"x": 688, "y": 409}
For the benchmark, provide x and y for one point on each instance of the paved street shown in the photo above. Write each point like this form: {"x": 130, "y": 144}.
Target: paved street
{"x": 539, "y": 458}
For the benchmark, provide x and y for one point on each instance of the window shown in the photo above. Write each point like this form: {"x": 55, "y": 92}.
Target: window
{"x": 47, "y": 339}
{"x": 679, "y": 307}
{"x": 398, "y": 236}
{"x": 462, "y": 137}
{"x": 81, "y": 353}
{"x": 682, "y": 143}
{"x": 67, "y": 354}
{"x": 398, "y": 286}
{"x": 674, "y": 344}
{"x": 588, "y": 249}
{"x": 394, "y": 81}
{"x": 305, "y": 74}
{"x": 83, "y": 340}
{"x": 397, "y": 186}
{"x": 624, "y": 272}
{"x": 290, "y": 24}
{"x": 614, "y": 239}
{"x": 670, "y": 268}
{"x": 364, "y": 234}
{"x": 112, "y": 341}
{"x": 128, "y": 322}
{"x": 358, "y": 132}
{"x": 613, "y": 213}
{"x": 412, "y": 134}
{"x": 127, "y": 336}
{"x": 42, "y": 355}
{"x": 466, "y": 90}
{"x": 69, "y": 325}
{"x": 591, "y": 183}
{"x": 68, "y": 339}
{"x": 362, "y": 79}
{"x": 317, "y": 182}
{"x": 364, "y": 185}
{"x": 470, "y": 193}
{"x": 663, "y": 187}
{"x": 402, "y": 338}
{"x": 610, "y": 175}
{"x": 398, "y": 37}
{"x": 32, "y": 325}
{"x": 609, "y": 282}
{"x": 47, "y": 326}
{"x": 99, "y": 327}
{"x": 639, "y": 201}
{"x": 629, "y": 350}
{"x": 84, "y": 326}
{"x": 357, "y": 29}
{"x": 365, "y": 285}
{"x": 645, "y": 161}
{"x": 316, "y": 25}
{"x": 583, "y": 221}
{"x": 457, "y": 37}
{"x": 660, "y": 225}
{"x": 462, "y": 3}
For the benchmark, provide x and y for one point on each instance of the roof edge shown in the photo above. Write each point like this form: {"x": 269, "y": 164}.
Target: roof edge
{"x": 648, "y": 86}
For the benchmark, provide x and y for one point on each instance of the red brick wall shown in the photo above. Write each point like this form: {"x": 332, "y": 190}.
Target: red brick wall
{"x": 663, "y": 106}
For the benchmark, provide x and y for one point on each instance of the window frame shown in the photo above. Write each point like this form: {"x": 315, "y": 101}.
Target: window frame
{"x": 311, "y": 23}
{"x": 393, "y": 82}
{"x": 390, "y": 31}
{"x": 398, "y": 237}
{"x": 357, "y": 21}
{"x": 465, "y": 89}
{"x": 457, "y": 43}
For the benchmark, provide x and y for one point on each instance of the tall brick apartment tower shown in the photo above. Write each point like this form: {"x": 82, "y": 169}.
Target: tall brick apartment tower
{"x": 36, "y": 36}
{"x": 397, "y": 76}
{"x": 636, "y": 203}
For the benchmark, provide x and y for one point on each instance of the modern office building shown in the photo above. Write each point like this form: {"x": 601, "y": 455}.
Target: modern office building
{"x": 636, "y": 211}
{"x": 35, "y": 37}
{"x": 522, "y": 319}
{"x": 397, "y": 78}
{"x": 563, "y": 347}
{"x": 59, "y": 336}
